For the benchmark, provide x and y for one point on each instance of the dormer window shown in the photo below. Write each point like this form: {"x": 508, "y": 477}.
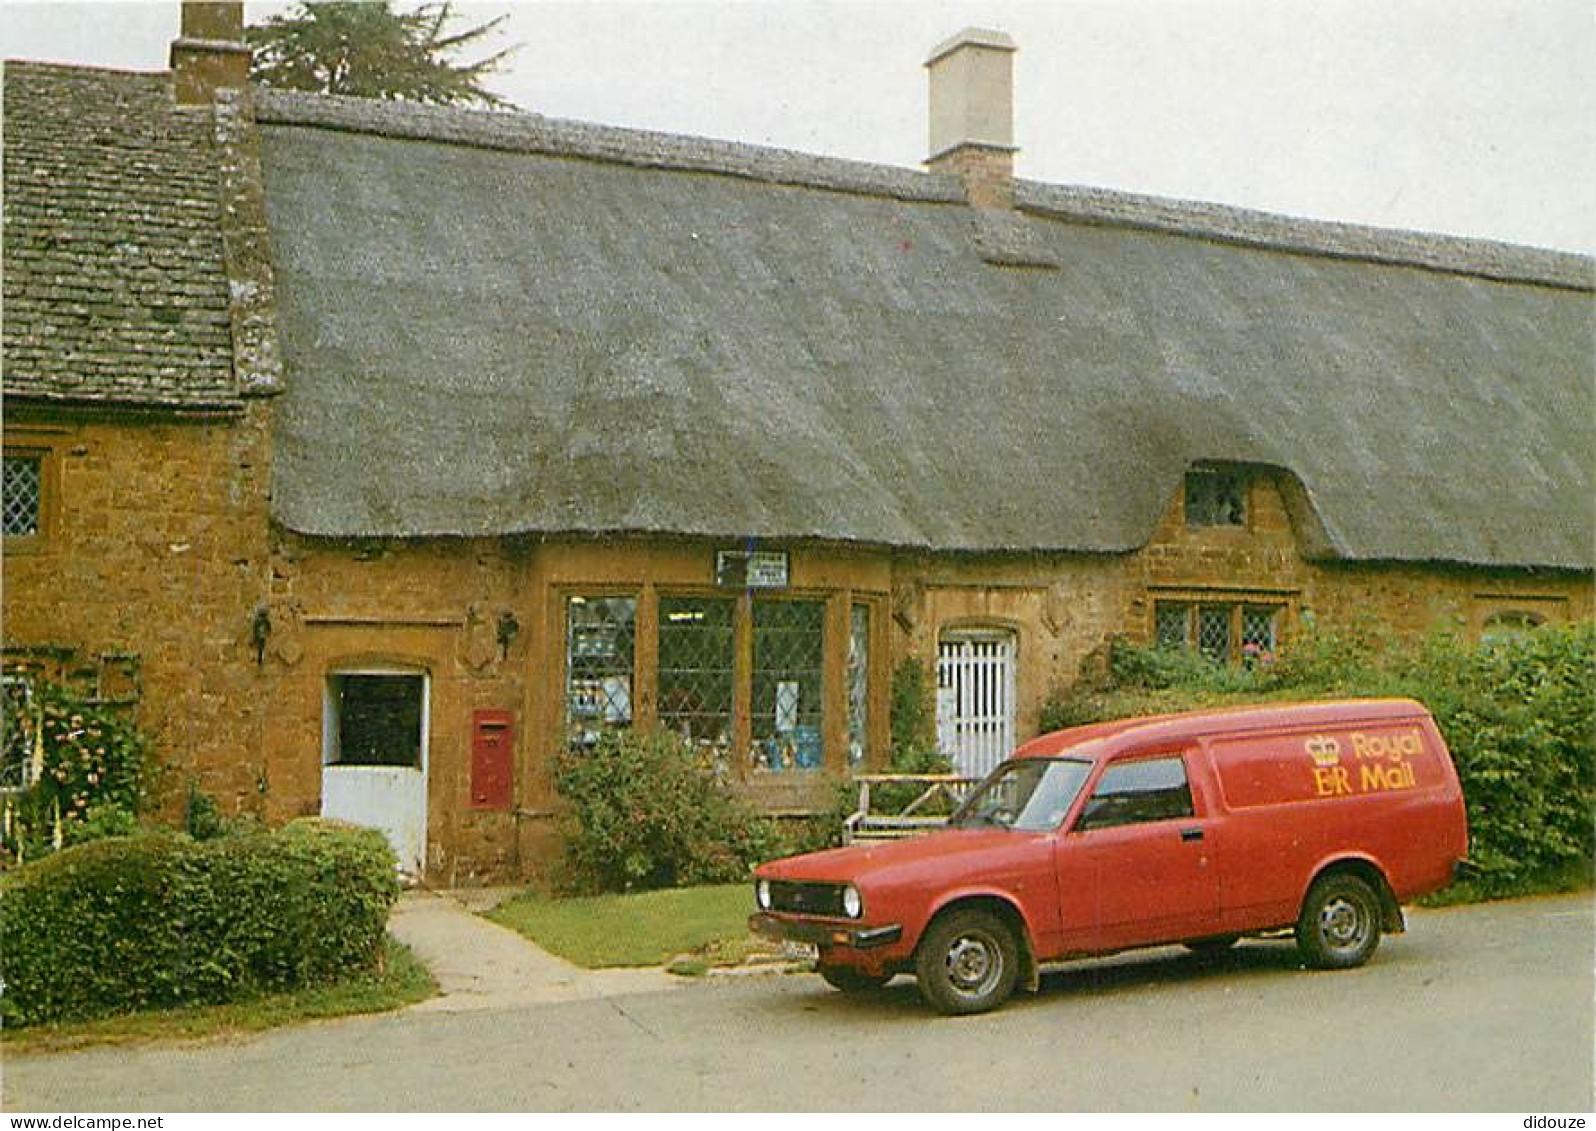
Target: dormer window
{"x": 1216, "y": 498}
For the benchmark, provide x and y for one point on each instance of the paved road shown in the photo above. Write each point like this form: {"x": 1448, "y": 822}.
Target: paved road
{"x": 1487, "y": 1008}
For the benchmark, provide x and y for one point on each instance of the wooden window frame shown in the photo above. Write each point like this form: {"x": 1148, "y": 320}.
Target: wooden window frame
{"x": 1236, "y": 603}
{"x": 829, "y": 752}
{"x": 564, "y": 595}
{"x": 837, "y": 605}
{"x": 653, "y": 694}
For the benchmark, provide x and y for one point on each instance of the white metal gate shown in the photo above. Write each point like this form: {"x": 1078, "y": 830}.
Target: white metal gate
{"x": 975, "y": 699}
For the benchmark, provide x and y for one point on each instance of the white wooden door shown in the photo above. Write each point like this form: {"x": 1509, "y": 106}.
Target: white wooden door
{"x": 375, "y": 791}
{"x": 975, "y": 699}
{"x": 390, "y": 799}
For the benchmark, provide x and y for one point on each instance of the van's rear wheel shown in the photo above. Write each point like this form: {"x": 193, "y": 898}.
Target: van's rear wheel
{"x": 967, "y": 962}
{"x": 851, "y": 981}
{"x": 1340, "y": 923}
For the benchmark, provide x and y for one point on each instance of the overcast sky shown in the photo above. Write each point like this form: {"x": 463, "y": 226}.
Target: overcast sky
{"x": 1475, "y": 117}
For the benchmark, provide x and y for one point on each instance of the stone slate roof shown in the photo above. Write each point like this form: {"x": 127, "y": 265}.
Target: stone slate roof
{"x": 502, "y": 324}
{"x": 114, "y": 284}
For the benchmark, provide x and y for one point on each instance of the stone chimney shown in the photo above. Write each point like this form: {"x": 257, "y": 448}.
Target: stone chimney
{"x": 210, "y": 54}
{"x": 972, "y": 114}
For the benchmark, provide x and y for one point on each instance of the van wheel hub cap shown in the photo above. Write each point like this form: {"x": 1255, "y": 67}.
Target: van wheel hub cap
{"x": 973, "y": 964}
{"x": 1343, "y": 923}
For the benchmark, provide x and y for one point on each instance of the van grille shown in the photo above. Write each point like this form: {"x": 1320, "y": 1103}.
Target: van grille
{"x": 806, "y": 899}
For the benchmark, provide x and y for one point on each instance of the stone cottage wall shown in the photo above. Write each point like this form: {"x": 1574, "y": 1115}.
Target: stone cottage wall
{"x": 143, "y": 583}
{"x": 158, "y": 559}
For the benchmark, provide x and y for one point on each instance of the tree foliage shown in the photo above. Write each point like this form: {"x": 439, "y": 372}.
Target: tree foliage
{"x": 370, "y": 50}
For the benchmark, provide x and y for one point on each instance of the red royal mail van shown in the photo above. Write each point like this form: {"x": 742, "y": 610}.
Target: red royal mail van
{"x": 1199, "y": 828}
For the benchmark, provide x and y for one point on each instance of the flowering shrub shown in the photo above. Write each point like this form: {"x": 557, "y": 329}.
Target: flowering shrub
{"x": 1255, "y": 655}
{"x": 647, "y": 813}
{"x": 86, "y": 772}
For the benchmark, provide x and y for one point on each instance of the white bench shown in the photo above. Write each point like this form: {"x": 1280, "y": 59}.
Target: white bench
{"x": 866, "y": 825}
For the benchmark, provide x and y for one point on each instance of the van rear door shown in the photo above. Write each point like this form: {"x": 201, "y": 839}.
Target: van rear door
{"x": 1134, "y": 867}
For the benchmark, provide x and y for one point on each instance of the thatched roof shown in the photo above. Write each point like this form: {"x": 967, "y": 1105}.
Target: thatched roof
{"x": 499, "y": 324}
{"x": 507, "y": 324}
{"x": 116, "y": 291}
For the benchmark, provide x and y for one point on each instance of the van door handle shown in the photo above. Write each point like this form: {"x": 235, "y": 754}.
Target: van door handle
{"x": 1191, "y": 834}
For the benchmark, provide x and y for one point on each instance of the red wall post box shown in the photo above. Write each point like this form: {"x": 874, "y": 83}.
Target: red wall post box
{"x": 492, "y": 759}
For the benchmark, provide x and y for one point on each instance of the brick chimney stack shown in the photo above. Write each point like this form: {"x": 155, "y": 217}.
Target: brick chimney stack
{"x": 972, "y": 114}
{"x": 210, "y": 54}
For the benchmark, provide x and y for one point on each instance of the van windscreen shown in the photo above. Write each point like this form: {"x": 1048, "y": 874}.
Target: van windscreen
{"x": 1027, "y": 794}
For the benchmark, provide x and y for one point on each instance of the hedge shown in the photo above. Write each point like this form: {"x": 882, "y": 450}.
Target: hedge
{"x": 161, "y": 920}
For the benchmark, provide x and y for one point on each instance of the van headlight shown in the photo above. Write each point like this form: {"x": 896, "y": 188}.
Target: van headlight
{"x": 852, "y": 902}
{"x": 762, "y": 894}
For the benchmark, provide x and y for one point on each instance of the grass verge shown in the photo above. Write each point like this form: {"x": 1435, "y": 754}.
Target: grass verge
{"x": 640, "y": 929}
{"x": 403, "y": 981}
{"x": 1578, "y": 876}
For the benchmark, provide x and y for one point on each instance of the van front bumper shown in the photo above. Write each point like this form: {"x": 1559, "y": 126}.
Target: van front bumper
{"x": 823, "y": 934}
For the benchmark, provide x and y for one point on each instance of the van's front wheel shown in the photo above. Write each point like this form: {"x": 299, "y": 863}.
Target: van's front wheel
{"x": 967, "y": 962}
{"x": 1340, "y": 923}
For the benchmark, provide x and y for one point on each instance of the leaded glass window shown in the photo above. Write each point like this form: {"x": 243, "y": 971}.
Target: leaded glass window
{"x": 1213, "y": 631}
{"x": 21, "y": 495}
{"x": 789, "y": 661}
{"x": 600, "y": 636}
{"x": 1257, "y": 631}
{"x": 1221, "y": 632}
{"x": 1173, "y": 627}
{"x": 1215, "y": 498}
{"x": 696, "y": 682}
{"x": 858, "y": 684}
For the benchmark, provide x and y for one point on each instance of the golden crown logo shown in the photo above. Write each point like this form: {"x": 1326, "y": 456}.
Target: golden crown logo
{"x": 1324, "y": 751}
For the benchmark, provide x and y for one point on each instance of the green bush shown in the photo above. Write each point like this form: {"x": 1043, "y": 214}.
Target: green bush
{"x": 1518, "y": 712}
{"x": 89, "y": 768}
{"x": 912, "y": 714}
{"x": 203, "y": 818}
{"x": 822, "y": 829}
{"x": 159, "y": 919}
{"x": 1065, "y": 708}
{"x": 646, "y": 813}
{"x": 99, "y": 823}
{"x": 914, "y": 739}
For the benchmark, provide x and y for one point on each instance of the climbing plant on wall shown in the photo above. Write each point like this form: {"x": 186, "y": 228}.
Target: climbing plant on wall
{"x": 73, "y": 770}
